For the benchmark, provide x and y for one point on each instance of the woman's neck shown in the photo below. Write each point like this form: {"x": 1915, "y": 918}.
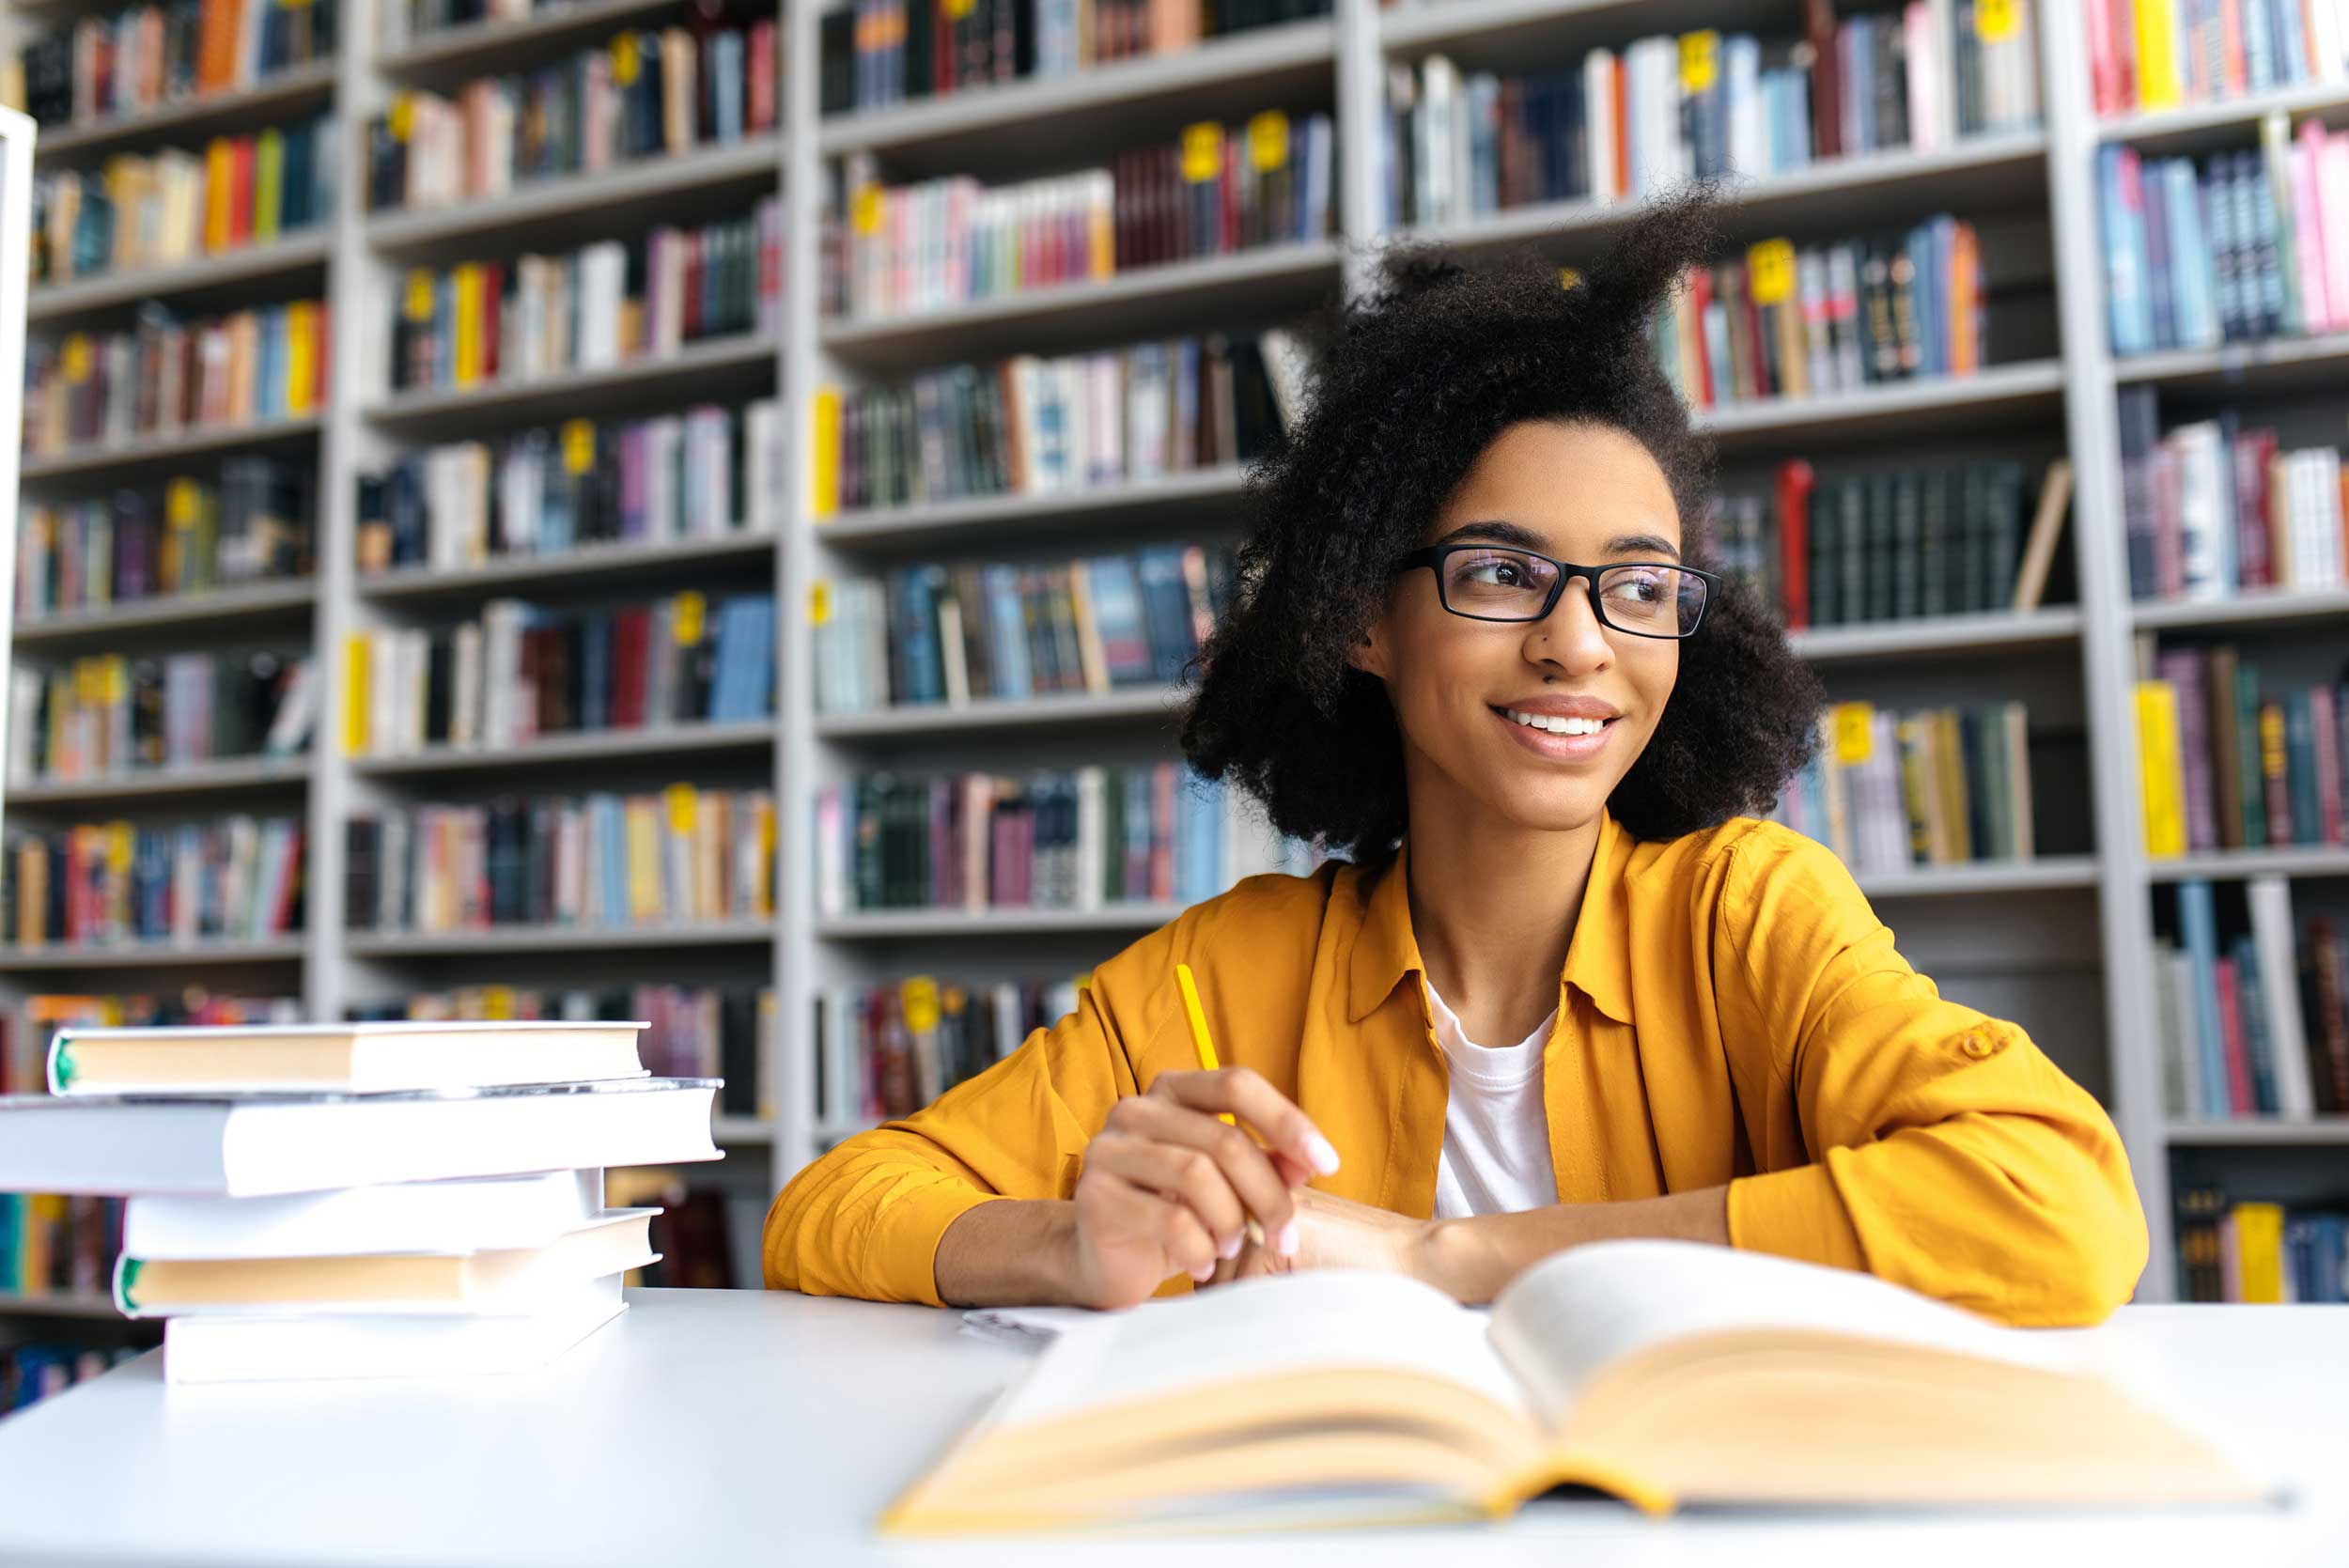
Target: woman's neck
{"x": 1493, "y": 913}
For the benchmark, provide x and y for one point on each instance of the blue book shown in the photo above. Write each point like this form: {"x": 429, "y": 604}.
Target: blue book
{"x": 2190, "y": 264}
{"x": 2160, "y": 288}
{"x": 595, "y": 675}
{"x": 1138, "y": 833}
{"x": 1116, "y": 600}
{"x": 610, "y": 834}
{"x": 2259, "y": 47}
{"x": 2127, "y": 284}
{"x": 2198, "y": 930}
{"x": 917, "y": 628}
{"x": 1166, "y": 611}
{"x": 1007, "y": 632}
{"x": 2300, "y": 768}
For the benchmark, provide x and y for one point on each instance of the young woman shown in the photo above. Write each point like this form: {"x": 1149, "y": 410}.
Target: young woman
{"x": 1563, "y": 990}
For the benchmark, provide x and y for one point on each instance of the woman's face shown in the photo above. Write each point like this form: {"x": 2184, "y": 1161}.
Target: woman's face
{"x": 1463, "y": 689}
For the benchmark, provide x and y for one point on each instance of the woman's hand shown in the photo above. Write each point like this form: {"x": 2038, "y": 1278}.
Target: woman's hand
{"x": 1167, "y": 1189}
{"x": 1338, "y": 1233}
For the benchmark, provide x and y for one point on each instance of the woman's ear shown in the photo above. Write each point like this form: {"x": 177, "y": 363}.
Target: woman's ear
{"x": 1369, "y": 652}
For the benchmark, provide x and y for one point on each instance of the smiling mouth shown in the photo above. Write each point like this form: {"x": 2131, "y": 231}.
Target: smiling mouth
{"x": 1553, "y": 723}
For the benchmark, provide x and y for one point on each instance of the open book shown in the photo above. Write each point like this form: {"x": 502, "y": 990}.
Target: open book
{"x": 1665, "y": 1372}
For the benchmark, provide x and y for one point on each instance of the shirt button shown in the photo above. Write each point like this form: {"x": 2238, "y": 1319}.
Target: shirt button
{"x": 1977, "y": 1044}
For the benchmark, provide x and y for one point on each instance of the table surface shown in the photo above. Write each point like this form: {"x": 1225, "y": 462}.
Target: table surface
{"x": 740, "y": 1426}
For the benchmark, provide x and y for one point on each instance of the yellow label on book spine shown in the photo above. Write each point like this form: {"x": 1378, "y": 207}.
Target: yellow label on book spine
{"x": 419, "y": 300}
{"x": 623, "y": 61}
{"x": 402, "y": 118}
{"x": 820, "y": 602}
{"x": 77, "y": 354}
{"x": 1699, "y": 61}
{"x": 1855, "y": 733}
{"x": 919, "y": 996}
{"x": 958, "y": 10}
{"x": 1997, "y": 21}
{"x": 681, "y": 801}
{"x": 1770, "y": 272}
{"x": 864, "y": 210}
{"x": 690, "y": 611}
{"x": 1203, "y": 151}
{"x": 579, "y": 445}
{"x": 1269, "y": 140}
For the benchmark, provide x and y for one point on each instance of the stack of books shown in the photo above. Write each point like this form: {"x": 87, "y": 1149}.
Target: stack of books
{"x": 359, "y": 1200}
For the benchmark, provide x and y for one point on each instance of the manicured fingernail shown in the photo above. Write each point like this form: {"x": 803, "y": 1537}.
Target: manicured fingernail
{"x": 1322, "y": 1153}
{"x": 1205, "y": 1272}
{"x": 1288, "y": 1240}
{"x": 1230, "y": 1247}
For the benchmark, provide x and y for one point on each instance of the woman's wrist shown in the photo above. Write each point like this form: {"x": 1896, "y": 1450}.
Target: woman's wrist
{"x": 1457, "y": 1257}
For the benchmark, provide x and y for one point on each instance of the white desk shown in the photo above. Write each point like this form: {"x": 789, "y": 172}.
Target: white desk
{"x": 711, "y": 1426}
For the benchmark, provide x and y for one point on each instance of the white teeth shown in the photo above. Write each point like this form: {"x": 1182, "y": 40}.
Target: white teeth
{"x": 1557, "y": 725}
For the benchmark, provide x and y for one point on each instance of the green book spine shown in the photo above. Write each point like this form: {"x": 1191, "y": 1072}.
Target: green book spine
{"x": 1882, "y": 543}
{"x": 1907, "y": 544}
{"x": 1933, "y": 541}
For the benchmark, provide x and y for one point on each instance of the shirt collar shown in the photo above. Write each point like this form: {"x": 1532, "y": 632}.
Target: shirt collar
{"x": 1597, "y": 959}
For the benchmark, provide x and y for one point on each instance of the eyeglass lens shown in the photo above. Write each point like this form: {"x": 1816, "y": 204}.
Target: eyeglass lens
{"x": 1509, "y": 584}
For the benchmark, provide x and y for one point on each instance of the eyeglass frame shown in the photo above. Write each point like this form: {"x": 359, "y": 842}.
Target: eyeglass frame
{"x": 1434, "y": 556}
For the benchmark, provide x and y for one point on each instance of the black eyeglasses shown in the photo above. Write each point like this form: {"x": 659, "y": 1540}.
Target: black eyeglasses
{"x": 1501, "y": 583}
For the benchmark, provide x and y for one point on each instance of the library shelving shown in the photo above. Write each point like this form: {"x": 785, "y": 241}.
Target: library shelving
{"x": 2065, "y": 941}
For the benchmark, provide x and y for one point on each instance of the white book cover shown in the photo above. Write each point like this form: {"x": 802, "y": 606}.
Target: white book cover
{"x": 467, "y": 1215}
{"x": 232, "y": 1349}
{"x": 254, "y": 1145}
{"x": 2269, "y": 899}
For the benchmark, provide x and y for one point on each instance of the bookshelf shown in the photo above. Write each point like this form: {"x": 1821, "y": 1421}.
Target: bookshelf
{"x": 2065, "y": 940}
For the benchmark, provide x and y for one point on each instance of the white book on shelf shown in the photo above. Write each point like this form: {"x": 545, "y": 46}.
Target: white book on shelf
{"x": 254, "y": 1144}
{"x": 2269, "y": 900}
{"x": 469, "y": 1213}
{"x": 2182, "y": 1071}
{"x": 233, "y": 1349}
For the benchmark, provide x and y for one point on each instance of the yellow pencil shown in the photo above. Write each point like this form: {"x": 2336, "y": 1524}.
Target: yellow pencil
{"x": 1202, "y": 1041}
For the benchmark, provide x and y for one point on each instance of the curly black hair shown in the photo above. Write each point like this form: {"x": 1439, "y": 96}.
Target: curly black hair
{"x": 1411, "y": 386}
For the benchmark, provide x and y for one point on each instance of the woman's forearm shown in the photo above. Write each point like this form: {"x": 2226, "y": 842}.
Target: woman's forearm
{"x": 1010, "y": 1253}
{"x": 1474, "y": 1258}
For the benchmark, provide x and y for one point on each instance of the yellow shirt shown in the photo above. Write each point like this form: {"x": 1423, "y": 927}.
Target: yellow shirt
{"x": 1730, "y": 1010}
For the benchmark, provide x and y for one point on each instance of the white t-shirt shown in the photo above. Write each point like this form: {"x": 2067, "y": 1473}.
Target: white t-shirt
{"x": 1496, "y": 1132}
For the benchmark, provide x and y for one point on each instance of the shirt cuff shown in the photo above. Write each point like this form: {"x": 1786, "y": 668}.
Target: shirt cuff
{"x": 903, "y": 1242}
{"x": 1794, "y": 1214}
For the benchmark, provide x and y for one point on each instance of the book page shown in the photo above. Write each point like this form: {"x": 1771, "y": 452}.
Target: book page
{"x": 1563, "y": 1320}
{"x": 1333, "y": 1319}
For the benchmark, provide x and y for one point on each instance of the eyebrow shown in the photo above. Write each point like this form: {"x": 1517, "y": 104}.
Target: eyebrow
{"x": 1501, "y": 531}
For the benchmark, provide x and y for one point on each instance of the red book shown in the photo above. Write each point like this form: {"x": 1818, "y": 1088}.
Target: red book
{"x": 1795, "y": 480}
{"x": 1227, "y": 194}
{"x": 1699, "y": 300}
{"x": 2325, "y": 723}
{"x": 761, "y": 110}
{"x": 1826, "y": 96}
{"x": 2244, "y": 1100}
{"x": 2254, "y": 450}
{"x": 322, "y": 353}
{"x": 631, "y": 634}
{"x": 1162, "y": 833}
{"x": 690, "y": 263}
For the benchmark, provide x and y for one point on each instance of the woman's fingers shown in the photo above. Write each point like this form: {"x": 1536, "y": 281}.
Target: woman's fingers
{"x": 1254, "y": 1175}
{"x": 1137, "y": 1213}
{"x": 1187, "y": 1174}
{"x": 1243, "y": 1092}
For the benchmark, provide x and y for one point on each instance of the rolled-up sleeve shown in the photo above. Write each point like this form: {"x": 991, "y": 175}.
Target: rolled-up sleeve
{"x": 1935, "y": 1146}
{"x": 866, "y": 1218}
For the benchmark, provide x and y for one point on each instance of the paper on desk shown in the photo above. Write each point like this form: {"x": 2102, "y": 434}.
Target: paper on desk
{"x": 1028, "y": 1327}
